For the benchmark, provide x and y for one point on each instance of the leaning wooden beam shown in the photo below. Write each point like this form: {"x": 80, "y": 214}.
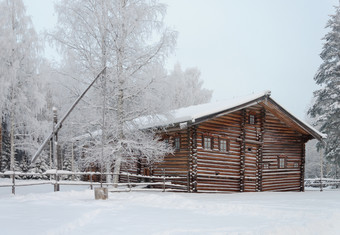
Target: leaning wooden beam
{"x": 58, "y": 125}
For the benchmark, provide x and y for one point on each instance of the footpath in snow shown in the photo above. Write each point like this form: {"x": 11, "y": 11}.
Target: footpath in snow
{"x": 38, "y": 210}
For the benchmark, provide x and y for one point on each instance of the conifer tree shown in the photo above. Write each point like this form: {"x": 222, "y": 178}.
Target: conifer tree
{"x": 326, "y": 108}
{"x": 5, "y": 148}
{"x": 24, "y": 166}
{"x": 40, "y": 166}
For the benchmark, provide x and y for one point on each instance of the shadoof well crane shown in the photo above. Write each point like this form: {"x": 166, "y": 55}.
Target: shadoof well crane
{"x": 57, "y": 126}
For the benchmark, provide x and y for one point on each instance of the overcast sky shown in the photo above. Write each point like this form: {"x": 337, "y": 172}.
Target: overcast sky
{"x": 242, "y": 46}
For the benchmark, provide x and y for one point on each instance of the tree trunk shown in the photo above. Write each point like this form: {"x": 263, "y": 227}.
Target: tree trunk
{"x": 120, "y": 105}
{"x": 119, "y": 156}
{"x": 12, "y": 142}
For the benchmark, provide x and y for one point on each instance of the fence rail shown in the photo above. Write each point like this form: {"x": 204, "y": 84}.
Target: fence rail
{"x": 56, "y": 179}
{"x": 157, "y": 183}
{"x": 325, "y": 182}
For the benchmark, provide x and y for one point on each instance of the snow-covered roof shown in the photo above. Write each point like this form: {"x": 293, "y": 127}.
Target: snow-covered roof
{"x": 197, "y": 113}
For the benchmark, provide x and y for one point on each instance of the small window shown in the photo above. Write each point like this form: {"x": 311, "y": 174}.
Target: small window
{"x": 252, "y": 119}
{"x": 266, "y": 166}
{"x": 282, "y": 162}
{"x": 296, "y": 164}
{"x": 166, "y": 141}
{"x": 224, "y": 145}
{"x": 177, "y": 143}
{"x": 207, "y": 142}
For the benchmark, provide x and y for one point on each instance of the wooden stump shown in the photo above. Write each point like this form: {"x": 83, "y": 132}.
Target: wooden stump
{"x": 101, "y": 193}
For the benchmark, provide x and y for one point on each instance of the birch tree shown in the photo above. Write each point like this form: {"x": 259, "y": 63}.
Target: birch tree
{"x": 20, "y": 99}
{"x": 129, "y": 39}
{"x": 185, "y": 88}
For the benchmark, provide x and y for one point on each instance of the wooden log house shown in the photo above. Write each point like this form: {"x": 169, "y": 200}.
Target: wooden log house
{"x": 249, "y": 145}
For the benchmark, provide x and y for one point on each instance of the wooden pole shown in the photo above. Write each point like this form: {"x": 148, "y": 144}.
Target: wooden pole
{"x": 1, "y": 150}
{"x": 51, "y": 154}
{"x": 72, "y": 161}
{"x": 188, "y": 182}
{"x": 55, "y": 147}
{"x": 13, "y": 183}
{"x": 129, "y": 184}
{"x": 163, "y": 181}
{"x": 91, "y": 186}
{"x": 321, "y": 170}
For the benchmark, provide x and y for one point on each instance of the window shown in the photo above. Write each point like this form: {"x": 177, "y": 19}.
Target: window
{"x": 252, "y": 119}
{"x": 282, "y": 162}
{"x": 177, "y": 143}
{"x": 166, "y": 141}
{"x": 296, "y": 164}
{"x": 207, "y": 142}
{"x": 265, "y": 165}
{"x": 224, "y": 146}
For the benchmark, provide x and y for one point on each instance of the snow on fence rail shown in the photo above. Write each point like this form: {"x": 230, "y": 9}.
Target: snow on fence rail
{"x": 54, "y": 180}
{"x": 326, "y": 182}
{"x": 162, "y": 183}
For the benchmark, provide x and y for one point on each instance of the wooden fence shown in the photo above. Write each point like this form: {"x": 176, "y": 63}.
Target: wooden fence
{"x": 57, "y": 178}
{"x": 132, "y": 182}
{"x": 324, "y": 182}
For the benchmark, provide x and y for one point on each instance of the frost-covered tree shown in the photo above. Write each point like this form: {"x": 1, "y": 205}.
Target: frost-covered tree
{"x": 313, "y": 161}
{"x": 20, "y": 90}
{"x": 24, "y": 166}
{"x": 129, "y": 39}
{"x": 40, "y": 166}
{"x": 5, "y": 147}
{"x": 326, "y": 108}
{"x": 184, "y": 88}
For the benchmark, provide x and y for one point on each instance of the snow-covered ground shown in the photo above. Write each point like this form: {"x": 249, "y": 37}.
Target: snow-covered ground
{"x": 38, "y": 210}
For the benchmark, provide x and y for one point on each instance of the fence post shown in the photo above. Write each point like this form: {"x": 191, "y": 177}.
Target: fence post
{"x": 56, "y": 185}
{"x": 163, "y": 181}
{"x": 91, "y": 186}
{"x": 128, "y": 178}
{"x": 321, "y": 170}
{"x": 188, "y": 181}
{"x": 13, "y": 183}
{"x": 72, "y": 162}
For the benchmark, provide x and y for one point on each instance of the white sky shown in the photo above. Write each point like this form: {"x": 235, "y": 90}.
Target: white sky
{"x": 242, "y": 46}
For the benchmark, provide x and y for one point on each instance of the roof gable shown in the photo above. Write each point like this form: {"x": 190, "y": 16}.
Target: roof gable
{"x": 292, "y": 121}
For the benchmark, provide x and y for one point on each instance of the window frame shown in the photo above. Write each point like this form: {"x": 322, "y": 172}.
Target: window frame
{"x": 227, "y": 145}
{"x": 252, "y": 119}
{"x": 167, "y": 142}
{"x": 211, "y": 144}
{"x": 177, "y": 148}
{"x": 279, "y": 161}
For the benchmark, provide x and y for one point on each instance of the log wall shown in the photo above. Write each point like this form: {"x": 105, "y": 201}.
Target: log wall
{"x": 251, "y": 162}
{"x": 280, "y": 141}
{"x": 218, "y": 170}
{"x": 178, "y": 163}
